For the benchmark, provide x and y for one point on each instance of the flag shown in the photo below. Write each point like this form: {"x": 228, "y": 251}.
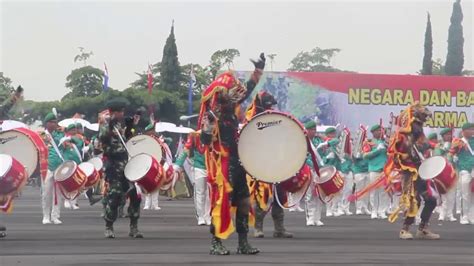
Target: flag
{"x": 192, "y": 80}
{"x": 105, "y": 86}
{"x": 150, "y": 80}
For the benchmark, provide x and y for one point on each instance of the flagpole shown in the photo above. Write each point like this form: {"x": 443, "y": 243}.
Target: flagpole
{"x": 190, "y": 92}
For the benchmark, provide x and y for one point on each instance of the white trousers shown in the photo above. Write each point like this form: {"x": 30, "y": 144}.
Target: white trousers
{"x": 448, "y": 199}
{"x": 313, "y": 205}
{"x": 467, "y": 196}
{"x": 151, "y": 200}
{"x": 379, "y": 200}
{"x": 361, "y": 180}
{"x": 51, "y": 211}
{"x": 202, "y": 201}
{"x": 344, "y": 204}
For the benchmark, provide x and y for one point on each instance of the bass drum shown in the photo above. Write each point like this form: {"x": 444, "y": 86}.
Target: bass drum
{"x": 272, "y": 147}
{"x": 438, "y": 169}
{"x": 145, "y": 144}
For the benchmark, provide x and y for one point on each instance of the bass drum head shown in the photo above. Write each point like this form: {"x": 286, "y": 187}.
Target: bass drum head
{"x": 272, "y": 147}
{"x": 432, "y": 167}
{"x": 20, "y": 147}
{"x": 97, "y": 162}
{"x": 138, "y": 166}
{"x": 6, "y": 162}
{"x": 87, "y": 168}
{"x": 65, "y": 170}
{"x": 145, "y": 144}
{"x": 326, "y": 173}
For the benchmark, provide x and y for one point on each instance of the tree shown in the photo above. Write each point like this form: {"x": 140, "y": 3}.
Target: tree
{"x": 221, "y": 58}
{"x": 83, "y": 56}
{"x": 170, "y": 71}
{"x": 427, "y": 58}
{"x": 455, "y": 57}
{"x": 316, "y": 60}
{"x": 6, "y": 87}
{"x": 84, "y": 82}
{"x": 142, "y": 82}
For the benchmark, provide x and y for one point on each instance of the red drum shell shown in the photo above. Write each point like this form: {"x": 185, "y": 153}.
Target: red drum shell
{"x": 13, "y": 176}
{"x": 69, "y": 177}
{"x": 168, "y": 176}
{"x": 297, "y": 182}
{"x": 330, "y": 180}
{"x": 440, "y": 170}
{"x": 145, "y": 170}
{"x": 92, "y": 175}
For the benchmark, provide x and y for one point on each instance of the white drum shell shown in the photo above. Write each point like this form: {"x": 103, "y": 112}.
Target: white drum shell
{"x": 432, "y": 167}
{"x": 145, "y": 144}
{"x": 138, "y": 166}
{"x": 20, "y": 147}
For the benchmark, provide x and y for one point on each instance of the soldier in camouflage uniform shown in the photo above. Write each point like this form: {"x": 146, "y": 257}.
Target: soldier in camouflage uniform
{"x": 5, "y": 107}
{"x": 116, "y": 158}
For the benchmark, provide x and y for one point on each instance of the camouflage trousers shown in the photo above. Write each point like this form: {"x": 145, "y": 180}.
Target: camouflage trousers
{"x": 277, "y": 216}
{"x": 119, "y": 189}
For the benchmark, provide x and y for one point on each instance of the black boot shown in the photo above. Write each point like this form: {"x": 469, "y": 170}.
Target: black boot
{"x": 3, "y": 231}
{"x": 134, "y": 230}
{"x": 244, "y": 246}
{"x": 109, "y": 230}
{"x": 217, "y": 248}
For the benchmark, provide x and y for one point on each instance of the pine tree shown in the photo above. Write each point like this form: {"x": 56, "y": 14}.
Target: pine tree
{"x": 170, "y": 71}
{"x": 455, "y": 57}
{"x": 427, "y": 58}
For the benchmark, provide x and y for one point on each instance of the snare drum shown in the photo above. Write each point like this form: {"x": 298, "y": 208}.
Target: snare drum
{"x": 91, "y": 173}
{"x": 145, "y": 170}
{"x": 330, "y": 181}
{"x": 12, "y": 175}
{"x": 168, "y": 176}
{"x": 70, "y": 179}
{"x": 438, "y": 169}
{"x": 272, "y": 147}
{"x": 298, "y": 182}
{"x": 27, "y": 147}
{"x": 145, "y": 144}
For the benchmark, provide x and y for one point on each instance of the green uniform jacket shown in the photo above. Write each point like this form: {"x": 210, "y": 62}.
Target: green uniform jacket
{"x": 376, "y": 157}
{"x": 316, "y": 141}
{"x": 324, "y": 152}
{"x": 441, "y": 149}
{"x": 465, "y": 158}
{"x": 53, "y": 158}
{"x": 198, "y": 158}
{"x": 360, "y": 166}
{"x": 346, "y": 166}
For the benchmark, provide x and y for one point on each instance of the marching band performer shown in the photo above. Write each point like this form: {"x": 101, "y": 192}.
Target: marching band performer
{"x": 193, "y": 148}
{"x": 405, "y": 157}
{"x": 360, "y": 169}
{"x": 265, "y": 101}
{"x": 112, "y": 141}
{"x": 151, "y": 199}
{"x": 462, "y": 152}
{"x": 313, "y": 203}
{"x": 219, "y": 124}
{"x": 346, "y": 171}
{"x": 376, "y": 155}
{"x": 327, "y": 150}
{"x": 71, "y": 152}
{"x": 449, "y": 199}
{"x": 5, "y": 108}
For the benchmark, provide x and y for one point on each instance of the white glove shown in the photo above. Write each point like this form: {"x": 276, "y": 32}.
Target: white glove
{"x": 85, "y": 149}
{"x": 322, "y": 145}
{"x": 455, "y": 158}
{"x": 381, "y": 146}
{"x": 343, "y": 160}
{"x": 331, "y": 156}
{"x": 446, "y": 146}
{"x": 176, "y": 167}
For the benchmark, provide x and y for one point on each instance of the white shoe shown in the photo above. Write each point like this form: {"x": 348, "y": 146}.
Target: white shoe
{"x": 201, "y": 221}
{"x": 57, "y": 221}
{"x": 310, "y": 223}
{"x": 452, "y": 218}
{"x": 146, "y": 208}
{"x": 373, "y": 216}
{"x": 208, "y": 221}
{"x": 382, "y": 216}
{"x": 348, "y": 212}
{"x": 338, "y": 213}
{"x": 292, "y": 209}
{"x": 441, "y": 218}
{"x": 157, "y": 208}
{"x": 299, "y": 209}
{"x": 464, "y": 220}
{"x": 319, "y": 223}
{"x": 67, "y": 205}
{"x": 358, "y": 212}
{"x": 75, "y": 207}
{"x": 367, "y": 212}
{"x": 46, "y": 221}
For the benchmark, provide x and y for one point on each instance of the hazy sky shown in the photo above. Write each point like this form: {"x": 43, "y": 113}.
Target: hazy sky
{"x": 39, "y": 39}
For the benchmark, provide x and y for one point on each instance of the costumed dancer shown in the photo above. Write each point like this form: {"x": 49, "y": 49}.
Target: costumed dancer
{"x": 219, "y": 124}
{"x": 404, "y": 157}
{"x": 376, "y": 155}
{"x": 462, "y": 153}
{"x": 448, "y": 199}
{"x": 5, "y": 108}
{"x": 314, "y": 205}
{"x": 194, "y": 149}
{"x": 261, "y": 192}
{"x": 111, "y": 136}
{"x": 327, "y": 150}
{"x": 50, "y": 198}
{"x": 151, "y": 199}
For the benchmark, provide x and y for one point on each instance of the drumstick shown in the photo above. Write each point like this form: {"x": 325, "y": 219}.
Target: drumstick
{"x": 121, "y": 140}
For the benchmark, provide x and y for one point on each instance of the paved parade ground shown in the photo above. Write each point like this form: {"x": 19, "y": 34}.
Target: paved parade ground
{"x": 172, "y": 237}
